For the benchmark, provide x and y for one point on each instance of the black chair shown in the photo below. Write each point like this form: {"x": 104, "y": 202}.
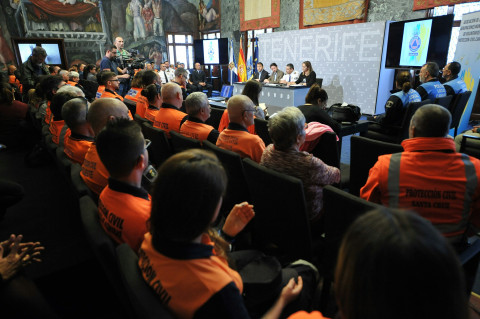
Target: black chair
{"x": 261, "y": 129}
{"x": 458, "y": 107}
{"x": 470, "y": 145}
{"x": 402, "y": 130}
{"x": 132, "y": 105}
{"x": 79, "y": 187}
{"x": 327, "y": 149}
{"x": 319, "y": 81}
{"x": 340, "y": 211}
{"x": 102, "y": 245}
{"x": 445, "y": 101}
{"x": 63, "y": 163}
{"x": 160, "y": 149}
{"x": 281, "y": 227}
{"x": 237, "y": 188}
{"x": 364, "y": 153}
{"x": 215, "y": 117}
{"x": 180, "y": 143}
{"x": 143, "y": 300}
{"x": 50, "y": 145}
{"x": 140, "y": 120}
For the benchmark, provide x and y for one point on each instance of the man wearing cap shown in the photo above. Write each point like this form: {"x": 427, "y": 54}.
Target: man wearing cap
{"x": 33, "y": 68}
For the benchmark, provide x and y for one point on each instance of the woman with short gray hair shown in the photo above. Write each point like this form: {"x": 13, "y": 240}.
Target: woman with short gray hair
{"x": 287, "y": 131}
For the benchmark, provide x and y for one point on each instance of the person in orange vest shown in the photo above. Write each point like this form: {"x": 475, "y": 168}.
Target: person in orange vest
{"x": 136, "y": 87}
{"x": 124, "y": 206}
{"x": 169, "y": 117}
{"x": 94, "y": 173}
{"x": 57, "y": 123}
{"x": 12, "y": 78}
{"x": 236, "y": 137}
{"x": 77, "y": 143}
{"x": 65, "y": 75}
{"x": 74, "y": 77}
{"x": 429, "y": 177}
{"x": 153, "y": 94}
{"x": 148, "y": 77}
{"x": 198, "y": 111}
{"x": 111, "y": 82}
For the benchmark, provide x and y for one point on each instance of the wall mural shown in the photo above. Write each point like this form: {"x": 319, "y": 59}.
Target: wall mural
{"x": 88, "y": 25}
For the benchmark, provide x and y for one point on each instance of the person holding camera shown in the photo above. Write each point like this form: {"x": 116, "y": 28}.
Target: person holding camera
{"x": 110, "y": 63}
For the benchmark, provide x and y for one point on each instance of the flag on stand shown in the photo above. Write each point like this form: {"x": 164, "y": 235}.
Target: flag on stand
{"x": 232, "y": 66}
{"x": 249, "y": 61}
{"x": 242, "y": 68}
{"x": 255, "y": 54}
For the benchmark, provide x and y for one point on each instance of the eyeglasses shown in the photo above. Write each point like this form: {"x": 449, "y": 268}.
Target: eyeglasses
{"x": 117, "y": 80}
{"x": 147, "y": 143}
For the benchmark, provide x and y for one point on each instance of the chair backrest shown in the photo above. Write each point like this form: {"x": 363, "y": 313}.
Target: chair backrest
{"x": 364, "y": 153}
{"x": 237, "y": 188}
{"x": 281, "y": 227}
{"x": 180, "y": 143}
{"x": 411, "y": 109}
{"x": 102, "y": 245}
{"x": 63, "y": 163}
{"x": 143, "y": 300}
{"x": 140, "y": 120}
{"x": 445, "y": 101}
{"x": 319, "y": 81}
{"x": 261, "y": 129}
{"x": 470, "y": 145}
{"x": 215, "y": 117}
{"x": 327, "y": 149}
{"x": 132, "y": 105}
{"x": 458, "y": 107}
{"x": 80, "y": 188}
{"x": 160, "y": 149}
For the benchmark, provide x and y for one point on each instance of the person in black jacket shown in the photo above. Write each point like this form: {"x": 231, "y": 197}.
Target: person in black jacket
{"x": 261, "y": 74}
{"x": 199, "y": 80}
{"x": 308, "y": 77}
{"x": 314, "y": 108}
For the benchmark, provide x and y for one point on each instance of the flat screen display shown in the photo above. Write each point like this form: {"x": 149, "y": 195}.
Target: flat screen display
{"x": 25, "y": 50}
{"x": 211, "y": 54}
{"x": 53, "y": 53}
{"x": 412, "y": 43}
{"x": 54, "y": 47}
{"x": 211, "y": 51}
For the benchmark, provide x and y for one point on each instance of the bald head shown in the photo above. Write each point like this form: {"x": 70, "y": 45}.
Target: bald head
{"x": 104, "y": 109}
{"x": 240, "y": 110}
{"x": 430, "y": 120}
{"x": 172, "y": 94}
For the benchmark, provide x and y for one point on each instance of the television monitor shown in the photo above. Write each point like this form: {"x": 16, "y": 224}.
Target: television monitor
{"x": 412, "y": 43}
{"x": 211, "y": 51}
{"x": 55, "y": 50}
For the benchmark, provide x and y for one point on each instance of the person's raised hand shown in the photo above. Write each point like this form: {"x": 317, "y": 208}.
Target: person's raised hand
{"x": 239, "y": 217}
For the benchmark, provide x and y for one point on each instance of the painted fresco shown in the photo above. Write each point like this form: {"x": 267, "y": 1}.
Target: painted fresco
{"x": 88, "y": 25}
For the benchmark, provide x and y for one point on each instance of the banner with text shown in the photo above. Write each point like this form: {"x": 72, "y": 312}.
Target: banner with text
{"x": 346, "y": 57}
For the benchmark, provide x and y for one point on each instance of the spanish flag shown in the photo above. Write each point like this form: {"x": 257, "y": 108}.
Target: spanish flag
{"x": 241, "y": 69}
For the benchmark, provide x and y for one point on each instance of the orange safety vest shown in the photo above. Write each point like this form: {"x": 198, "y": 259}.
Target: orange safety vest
{"x": 55, "y": 129}
{"x": 142, "y": 105}
{"x": 168, "y": 119}
{"x": 133, "y": 94}
{"x": 124, "y": 216}
{"x": 184, "y": 285}
{"x": 430, "y": 178}
{"x": 94, "y": 173}
{"x": 150, "y": 113}
{"x": 76, "y": 148}
{"x": 48, "y": 113}
{"x": 195, "y": 130}
{"x": 225, "y": 120}
{"x": 72, "y": 83}
{"x": 12, "y": 79}
{"x": 242, "y": 142}
{"x": 111, "y": 94}
{"x": 100, "y": 90}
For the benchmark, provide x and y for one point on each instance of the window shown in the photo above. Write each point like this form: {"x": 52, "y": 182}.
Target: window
{"x": 211, "y": 35}
{"x": 253, "y": 33}
{"x": 458, "y": 10}
{"x": 180, "y": 49}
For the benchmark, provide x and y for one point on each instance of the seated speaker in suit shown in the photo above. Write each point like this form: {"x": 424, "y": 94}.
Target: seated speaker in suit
{"x": 199, "y": 80}
{"x": 261, "y": 75}
{"x": 276, "y": 75}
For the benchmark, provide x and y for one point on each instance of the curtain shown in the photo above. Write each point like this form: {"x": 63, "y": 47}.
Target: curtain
{"x": 60, "y": 10}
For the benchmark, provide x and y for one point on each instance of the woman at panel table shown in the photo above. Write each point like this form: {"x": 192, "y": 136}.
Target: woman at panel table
{"x": 314, "y": 108}
{"x": 307, "y": 77}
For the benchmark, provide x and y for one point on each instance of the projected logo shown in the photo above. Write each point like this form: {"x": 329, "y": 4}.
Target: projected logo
{"x": 415, "y": 43}
{"x": 416, "y": 38}
{"x": 211, "y": 52}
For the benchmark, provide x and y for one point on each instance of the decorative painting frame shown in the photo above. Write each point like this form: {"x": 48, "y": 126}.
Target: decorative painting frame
{"x": 301, "y": 26}
{"x": 269, "y": 22}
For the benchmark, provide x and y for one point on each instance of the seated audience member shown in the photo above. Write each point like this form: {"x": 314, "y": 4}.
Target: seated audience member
{"x": 453, "y": 84}
{"x": 13, "y": 117}
{"x": 136, "y": 87}
{"x": 74, "y": 77}
{"x": 290, "y": 75}
{"x": 13, "y": 80}
{"x": 236, "y": 137}
{"x": 198, "y": 111}
{"x": 54, "y": 69}
{"x": 46, "y": 88}
{"x": 65, "y": 75}
{"x": 429, "y": 176}
{"x": 199, "y": 80}
{"x": 252, "y": 89}
{"x": 169, "y": 117}
{"x": 276, "y": 75}
{"x": 57, "y": 123}
{"x": 99, "y": 113}
{"x": 287, "y": 130}
{"x": 154, "y": 97}
{"x": 165, "y": 75}
{"x": 475, "y": 131}
{"x": 124, "y": 206}
{"x": 181, "y": 250}
{"x": 308, "y": 77}
{"x": 431, "y": 88}
{"x": 111, "y": 82}
{"x": 75, "y": 90}
{"x": 260, "y": 75}
{"x": 396, "y": 104}
{"x": 90, "y": 72}
{"x": 315, "y": 106}
{"x": 423, "y": 270}
{"x": 148, "y": 77}
{"x": 181, "y": 77}
{"x": 101, "y": 85}
{"x": 77, "y": 143}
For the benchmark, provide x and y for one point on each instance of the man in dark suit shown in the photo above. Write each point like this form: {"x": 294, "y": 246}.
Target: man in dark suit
{"x": 261, "y": 74}
{"x": 199, "y": 80}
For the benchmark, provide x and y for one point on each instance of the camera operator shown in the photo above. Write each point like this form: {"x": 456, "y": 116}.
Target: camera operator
{"x": 110, "y": 63}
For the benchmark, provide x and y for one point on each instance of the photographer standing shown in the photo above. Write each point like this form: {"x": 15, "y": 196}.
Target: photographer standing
{"x": 110, "y": 63}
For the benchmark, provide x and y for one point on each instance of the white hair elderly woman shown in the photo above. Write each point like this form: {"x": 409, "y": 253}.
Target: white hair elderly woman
{"x": 287, "y": 131}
